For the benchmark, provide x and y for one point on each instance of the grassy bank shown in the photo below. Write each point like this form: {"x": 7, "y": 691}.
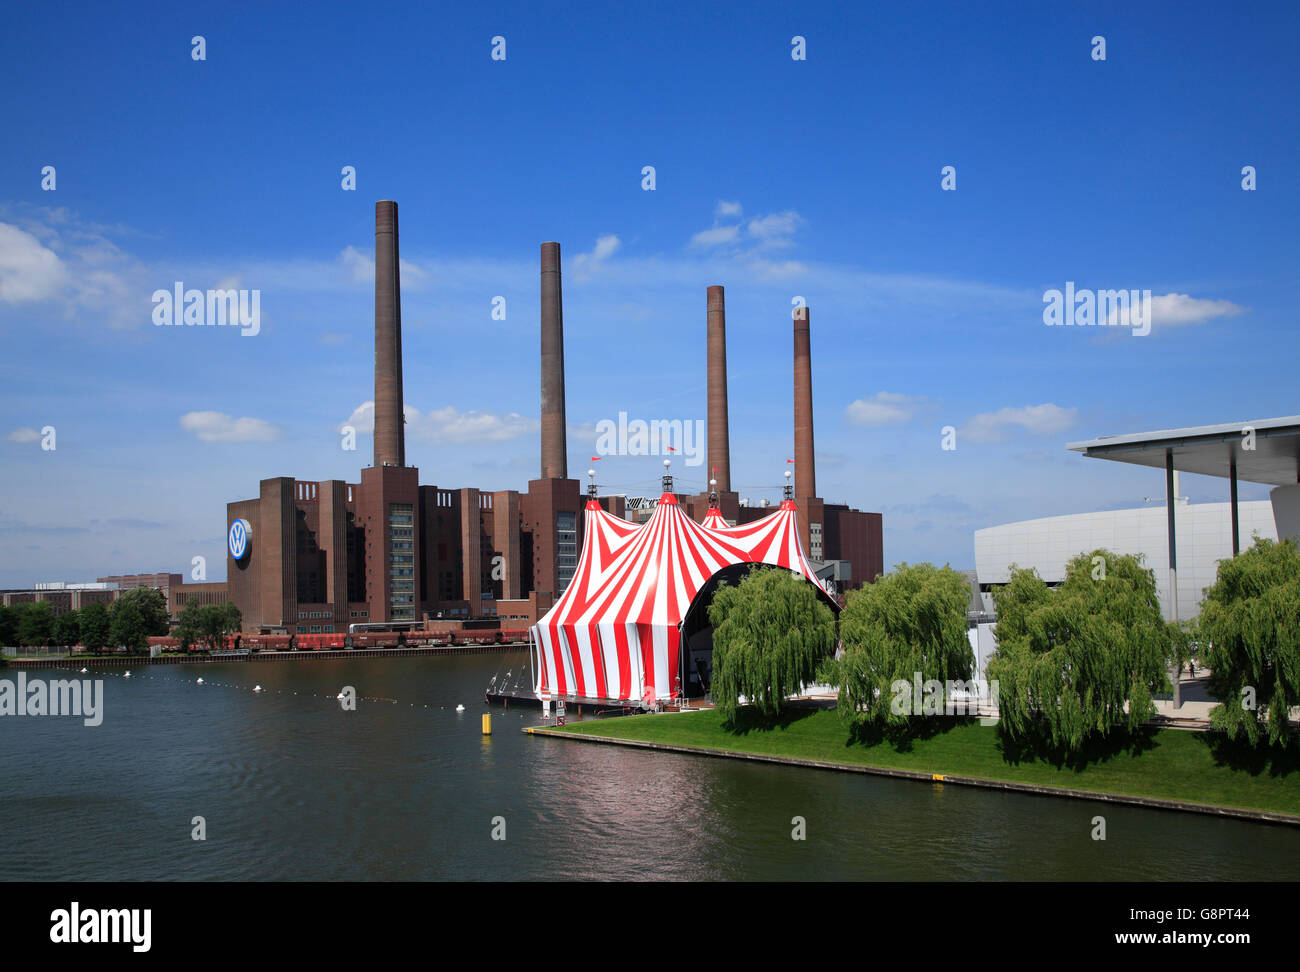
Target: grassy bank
{"x": 1167, "y": 764}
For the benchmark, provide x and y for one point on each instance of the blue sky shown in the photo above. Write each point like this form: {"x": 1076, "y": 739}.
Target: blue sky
{"x": 774, "y": 177}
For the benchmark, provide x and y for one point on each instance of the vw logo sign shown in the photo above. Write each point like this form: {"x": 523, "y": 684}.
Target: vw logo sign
{"x": 238, "y": 537}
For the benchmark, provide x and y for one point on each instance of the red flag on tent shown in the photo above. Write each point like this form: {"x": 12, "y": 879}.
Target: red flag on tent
{"x": 596, "y": 458}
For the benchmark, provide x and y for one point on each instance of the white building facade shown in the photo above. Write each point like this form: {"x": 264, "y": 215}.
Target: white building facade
{"x": 1203, "y": 536}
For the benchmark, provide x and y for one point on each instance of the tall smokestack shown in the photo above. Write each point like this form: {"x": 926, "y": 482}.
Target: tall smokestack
{"x": 805, "y": 467}
{"x": 719, "y": 436}
{"x": 555, "y": 463}
{"x": 390, "y": 437}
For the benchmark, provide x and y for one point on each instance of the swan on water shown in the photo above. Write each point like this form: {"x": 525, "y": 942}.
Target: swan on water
{"x": 257, "y": 688}
{"x": 200, "y": 681}
{"x": 127, "y": 675}
{"x": 460, "y": 708}
{"x": 83, "y": 671}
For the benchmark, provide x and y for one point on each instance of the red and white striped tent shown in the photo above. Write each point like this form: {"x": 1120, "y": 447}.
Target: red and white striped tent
{"x": 615, "y": 634}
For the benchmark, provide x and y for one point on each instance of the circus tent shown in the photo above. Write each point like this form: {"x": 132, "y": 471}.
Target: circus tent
{"x": 616, "y": 632}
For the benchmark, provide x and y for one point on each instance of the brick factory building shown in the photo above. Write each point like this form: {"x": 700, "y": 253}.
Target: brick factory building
{"x": 308, "y": 557}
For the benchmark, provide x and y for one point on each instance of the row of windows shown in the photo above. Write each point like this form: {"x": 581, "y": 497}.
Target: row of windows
{"x": 314, "y": 614}
{"x": 316, "y": 629}
{"x": 358, "y": 614}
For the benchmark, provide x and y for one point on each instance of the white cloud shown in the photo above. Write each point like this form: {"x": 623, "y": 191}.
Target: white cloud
{"x": 449, "y": 425}
{"x": 747, "y": 240}
{"x": 58, "y": 258}
{"x": 361, "y": 267}
{"x": 23, "y": 434}
{"x": 443, "y": 425}
{"x": 778, "y": 270}
{"x": 1038, "y": 420}
{"x": 606, "y": 246}
{"x": 775, "y": 225}
{"x": 716, "y": 236}
{"x": 28, "y": 270}
{"x": 1172, "y": 310}
{"x": 882, "y": 408}
{"x": 220, "y": 427}
{"x": 362, "y": 418}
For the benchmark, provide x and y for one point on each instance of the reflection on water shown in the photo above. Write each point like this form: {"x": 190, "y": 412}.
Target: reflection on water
{"x": 406, "y": 788}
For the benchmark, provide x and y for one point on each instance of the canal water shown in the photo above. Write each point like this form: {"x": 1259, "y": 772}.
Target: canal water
{"x": 405, "y": 788}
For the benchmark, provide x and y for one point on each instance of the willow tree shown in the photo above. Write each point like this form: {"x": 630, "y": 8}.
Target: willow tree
{"x": 909, "y": 626}
{"x": 1251, "y": 619}
{"x": 1084, "y": 658}
{"x": 770, "y": 632}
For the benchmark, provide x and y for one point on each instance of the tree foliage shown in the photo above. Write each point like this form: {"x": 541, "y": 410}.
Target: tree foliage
{"x": 910, "y": 622}
{"x": 215, "y": 621}
{"x": 1073, "y": 657}
{"x": 1251, "y": 619}
{"x": 9, "y": 626}
{"x": 67, "y": 629}
{"x": 189, "y": 627}
{"x": 127, "y": 625}
{"x": 95, "y": 626}
{"x": 770, "y": 632}
{"x": 36, "y": 624}
{"x": 152, "y": 607}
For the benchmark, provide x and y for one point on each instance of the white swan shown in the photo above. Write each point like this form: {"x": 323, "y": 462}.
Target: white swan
{"x": 257, "y": 688}
{"x": 83, "y": 671}
{"x": 127, "y": 675}
{"x": 200, "y": 681}
{"x": 460, "y": 708}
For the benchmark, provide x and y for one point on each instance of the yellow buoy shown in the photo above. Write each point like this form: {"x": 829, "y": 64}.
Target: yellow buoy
{"x": 487, "y": 723}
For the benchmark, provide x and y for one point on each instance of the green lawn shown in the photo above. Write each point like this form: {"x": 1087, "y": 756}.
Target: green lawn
{"x": 1169, "y": 764}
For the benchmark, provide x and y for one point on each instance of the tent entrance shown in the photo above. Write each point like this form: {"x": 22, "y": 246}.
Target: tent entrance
{"x": 696, "y": 663}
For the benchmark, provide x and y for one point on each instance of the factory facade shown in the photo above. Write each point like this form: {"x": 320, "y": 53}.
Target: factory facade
{"x": 308, "y": 557}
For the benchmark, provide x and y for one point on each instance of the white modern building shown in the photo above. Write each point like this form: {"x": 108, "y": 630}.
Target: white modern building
{"x": 1203, "y": 533}
{"x": 1182, "y": 543}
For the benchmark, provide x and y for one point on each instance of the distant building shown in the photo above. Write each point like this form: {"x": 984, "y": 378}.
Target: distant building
{"x": 315, "y": 557}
